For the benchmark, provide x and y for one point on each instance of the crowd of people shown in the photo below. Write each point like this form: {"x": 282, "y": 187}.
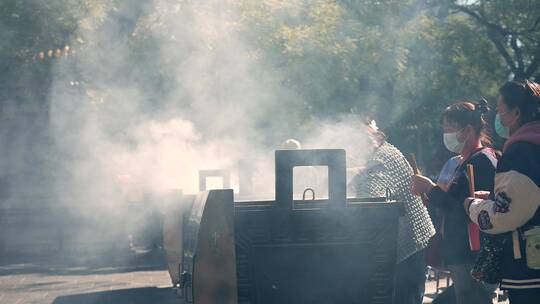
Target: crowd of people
{"x": 484, "y": 204}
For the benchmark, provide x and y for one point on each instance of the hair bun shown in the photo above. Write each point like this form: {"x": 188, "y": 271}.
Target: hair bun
{"x": 482, "y": 106}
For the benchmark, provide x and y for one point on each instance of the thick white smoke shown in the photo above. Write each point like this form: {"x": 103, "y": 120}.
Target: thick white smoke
{"x": 124, "y": 134}
{"x": 106, "y": 126}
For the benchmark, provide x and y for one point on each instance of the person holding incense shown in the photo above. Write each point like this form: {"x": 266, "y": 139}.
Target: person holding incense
{"x": 512, "y": 212}
{"x": 387, "y": 168}
{"x": 464, "y": 133}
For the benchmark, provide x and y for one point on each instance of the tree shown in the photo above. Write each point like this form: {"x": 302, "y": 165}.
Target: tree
{"x": 400, "y": 62}
{"x": 512, "y": 26}
{"x": 36, "y": 34}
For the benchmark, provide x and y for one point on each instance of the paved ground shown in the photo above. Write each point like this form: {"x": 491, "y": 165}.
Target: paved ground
{"x": 129, "y": 287}
{"x": 134, "y": 278}
{"x": 47, "y": 282}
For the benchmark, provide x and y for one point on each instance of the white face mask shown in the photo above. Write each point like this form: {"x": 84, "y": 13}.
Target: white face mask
{"x": 452, "y": 143}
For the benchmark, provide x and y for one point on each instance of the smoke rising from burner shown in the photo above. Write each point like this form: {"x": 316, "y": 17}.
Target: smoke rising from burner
{"x": 206, "y": 119}
{"x": 202, "y": 97}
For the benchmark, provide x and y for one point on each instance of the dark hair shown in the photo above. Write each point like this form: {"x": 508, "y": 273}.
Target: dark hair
{"x": 470, "y": 113}
{"x": 525, "y": 95}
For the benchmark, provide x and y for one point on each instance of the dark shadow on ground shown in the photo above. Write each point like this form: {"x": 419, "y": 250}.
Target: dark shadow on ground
{"x": 66, "y": 271}
{"x": 147, "y": 295}
{"x": 69, "y": 264}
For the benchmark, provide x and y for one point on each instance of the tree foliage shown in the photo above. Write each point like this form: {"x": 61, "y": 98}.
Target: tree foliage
{"x": 400, "y": 62}
{"x": 513, "y": 27}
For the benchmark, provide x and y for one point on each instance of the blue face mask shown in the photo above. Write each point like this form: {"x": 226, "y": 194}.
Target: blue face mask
{"x": 501, "y": 130}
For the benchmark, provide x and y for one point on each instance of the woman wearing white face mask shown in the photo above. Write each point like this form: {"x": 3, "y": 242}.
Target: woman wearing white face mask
{"x": 464, "y": 133}
{"x": 513, "y": 212}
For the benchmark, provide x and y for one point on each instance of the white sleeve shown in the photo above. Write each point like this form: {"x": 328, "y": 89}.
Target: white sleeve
{"x": 517, "y": 198}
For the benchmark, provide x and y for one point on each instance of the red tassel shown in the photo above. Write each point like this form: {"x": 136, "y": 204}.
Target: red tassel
{"x": 474, "y": 236}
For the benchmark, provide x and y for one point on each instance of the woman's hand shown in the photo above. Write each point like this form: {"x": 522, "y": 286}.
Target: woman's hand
{"x": 477, "y": 194}
{"x": 482, "y": 194}
{"x": 421, "y": 184}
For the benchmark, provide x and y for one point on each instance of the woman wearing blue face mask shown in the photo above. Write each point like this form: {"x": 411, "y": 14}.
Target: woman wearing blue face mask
{"x": 513, "y": 213}
{"x": 463, "y": 133}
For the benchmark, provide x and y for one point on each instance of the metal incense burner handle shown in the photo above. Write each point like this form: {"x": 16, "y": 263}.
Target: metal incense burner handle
{"x": 312, "y": 194}
{"x": 388, "y": 194}
{"x": 186, "y": 285}
{"x": 225, "y": 176}
{"x": 334, "y": 159}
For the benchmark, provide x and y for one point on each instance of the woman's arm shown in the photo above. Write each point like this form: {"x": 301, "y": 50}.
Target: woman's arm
{"x": 459, "y": 189}
{"x": 517, "y": 194}
{"x": 439, "y": 198}
{"x": 516, "y": 201}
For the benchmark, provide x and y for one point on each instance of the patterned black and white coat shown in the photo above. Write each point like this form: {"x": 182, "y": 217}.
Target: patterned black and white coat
{"x": 387, "y": 168}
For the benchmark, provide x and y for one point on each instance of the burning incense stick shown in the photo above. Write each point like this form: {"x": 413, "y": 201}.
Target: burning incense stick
{"x": 470, "y": 175}
{"x": 473, "y": 230}
{"x": 414, "y": 166}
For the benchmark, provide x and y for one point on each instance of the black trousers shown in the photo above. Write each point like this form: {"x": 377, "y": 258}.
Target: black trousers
{"x": 410, "y": 280}
{"x": 524, "y": 296}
